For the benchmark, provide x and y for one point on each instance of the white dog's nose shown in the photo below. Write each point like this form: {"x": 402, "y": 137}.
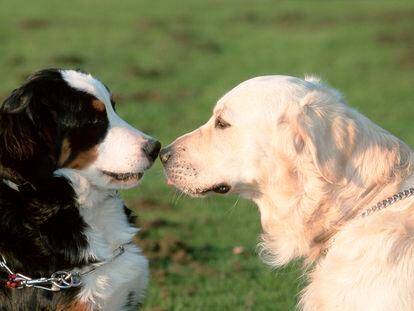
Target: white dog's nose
{"x": 165, "y": 154}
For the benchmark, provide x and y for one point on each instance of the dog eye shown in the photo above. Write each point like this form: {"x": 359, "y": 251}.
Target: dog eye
{"x": 221, "y": 124}
{"x": 95, "y": 121}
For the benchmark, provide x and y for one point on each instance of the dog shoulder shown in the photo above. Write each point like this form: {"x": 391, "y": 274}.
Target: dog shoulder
{"x": 370, "y": 260}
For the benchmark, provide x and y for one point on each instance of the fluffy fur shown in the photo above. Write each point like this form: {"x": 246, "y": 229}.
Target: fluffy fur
{"x": 312, "y": 165}
{"x": 63, "y": 154}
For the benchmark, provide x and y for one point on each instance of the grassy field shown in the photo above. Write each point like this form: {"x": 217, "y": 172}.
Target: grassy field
{"x": 167, "y": 63}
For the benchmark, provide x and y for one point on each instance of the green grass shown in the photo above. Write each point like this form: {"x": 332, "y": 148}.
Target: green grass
{"x": 167, "y": 63}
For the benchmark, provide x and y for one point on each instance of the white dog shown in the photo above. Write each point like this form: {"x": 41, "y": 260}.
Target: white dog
{"x": 316, "y": 169}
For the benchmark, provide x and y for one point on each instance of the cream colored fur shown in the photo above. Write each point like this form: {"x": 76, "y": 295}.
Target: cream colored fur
{"x": 312, "y": 165}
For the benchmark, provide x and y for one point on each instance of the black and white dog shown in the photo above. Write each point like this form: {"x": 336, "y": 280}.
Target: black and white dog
{"x": 65, "y": 239}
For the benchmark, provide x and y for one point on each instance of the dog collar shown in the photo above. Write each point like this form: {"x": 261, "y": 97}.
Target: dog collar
{"x": 376, "y": 208}
{"x": 60, "y": 279}
{"x": 389, "y": 201}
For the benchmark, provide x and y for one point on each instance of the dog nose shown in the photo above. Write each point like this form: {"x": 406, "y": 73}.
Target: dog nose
{"x": 151, "y": 149}
{"x": 165, "y": 154}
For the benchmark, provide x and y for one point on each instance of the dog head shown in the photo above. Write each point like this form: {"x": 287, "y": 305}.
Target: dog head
{"x": 278, "y": 130}
{"x": 234, "y": 148}
{"x": 66, "y": 119}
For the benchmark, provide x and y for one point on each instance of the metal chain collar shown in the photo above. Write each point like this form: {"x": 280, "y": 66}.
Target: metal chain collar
{"x": 58, "y": 280}
{"x": 377, "y": 207}
{"x": 387, "y": 202}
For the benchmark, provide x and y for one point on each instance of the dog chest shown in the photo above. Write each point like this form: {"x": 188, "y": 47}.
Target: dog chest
{"x": 121, "y": 282}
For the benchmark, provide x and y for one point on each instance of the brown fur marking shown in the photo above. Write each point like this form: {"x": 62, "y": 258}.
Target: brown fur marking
{"x": 98, "y": 105}
{"x": 76, "y": 305}
{"x": 64, "y": 152}
{"x": 84, "y": 159}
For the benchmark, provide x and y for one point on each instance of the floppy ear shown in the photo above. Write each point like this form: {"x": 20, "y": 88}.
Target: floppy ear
{"x": 344, "y": 145}
{"x": 324, "y": 127}
{"x": 24, "y": 145}
{"x": 17, "y": 131}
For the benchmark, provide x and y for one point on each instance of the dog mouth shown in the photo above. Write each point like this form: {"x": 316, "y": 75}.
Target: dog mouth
{"x": 183, "y": 177}
{"x": 124, "y": 177}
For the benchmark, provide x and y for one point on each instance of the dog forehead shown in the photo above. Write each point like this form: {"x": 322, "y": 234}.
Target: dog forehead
{"x": 87, "y": 83}
{"x": 263, "y": 90}
{"x": 262, "y": 98}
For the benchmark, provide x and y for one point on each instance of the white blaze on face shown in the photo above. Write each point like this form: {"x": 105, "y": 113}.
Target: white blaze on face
{"x": 121, "y": 151}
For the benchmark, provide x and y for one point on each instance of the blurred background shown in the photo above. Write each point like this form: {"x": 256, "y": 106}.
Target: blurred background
{"x": 167, "y": 62}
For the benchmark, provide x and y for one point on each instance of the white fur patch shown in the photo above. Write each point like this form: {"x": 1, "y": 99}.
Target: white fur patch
{"x": 124, "y": 279}
{"x": 111, "y": 285}
{"x": 87, "y": 83}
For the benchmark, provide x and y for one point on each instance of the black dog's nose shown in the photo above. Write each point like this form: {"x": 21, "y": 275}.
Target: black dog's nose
{"x": 151, "y": 149}
{"x": 165, "y": 154}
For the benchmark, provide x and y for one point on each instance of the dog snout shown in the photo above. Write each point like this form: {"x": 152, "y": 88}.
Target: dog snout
{"x": 165, "y": 154}
{"x": 152, "y": 149}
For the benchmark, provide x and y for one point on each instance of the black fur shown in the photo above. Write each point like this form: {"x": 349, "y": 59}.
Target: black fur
{"x": 41, "y": 230}
{"x": 132, "y": 218}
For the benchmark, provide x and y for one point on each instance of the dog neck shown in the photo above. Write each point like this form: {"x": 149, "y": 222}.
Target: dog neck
{"x": 301, "y": 214}
{"x": 304, "y": 226}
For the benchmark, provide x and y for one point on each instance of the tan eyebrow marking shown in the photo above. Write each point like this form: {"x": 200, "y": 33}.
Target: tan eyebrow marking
{"x": 98, "y": 105}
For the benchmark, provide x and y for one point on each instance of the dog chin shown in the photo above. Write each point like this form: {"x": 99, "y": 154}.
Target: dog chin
{"x": 126, "y": 182}
{"x": 109, "y": 180}
{"x": 201, "y": 191}
{"x": 123, "y": 185}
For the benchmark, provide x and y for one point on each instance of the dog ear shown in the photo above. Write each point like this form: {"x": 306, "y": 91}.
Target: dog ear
{"x": 17, "y": 131}
{"x": 343, "y": 145}
{"x": 327, "y": 131}
{"x": 24, "y": 145}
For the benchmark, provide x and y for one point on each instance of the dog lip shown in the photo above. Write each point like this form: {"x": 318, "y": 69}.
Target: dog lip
{"x": 123, "y": 176}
